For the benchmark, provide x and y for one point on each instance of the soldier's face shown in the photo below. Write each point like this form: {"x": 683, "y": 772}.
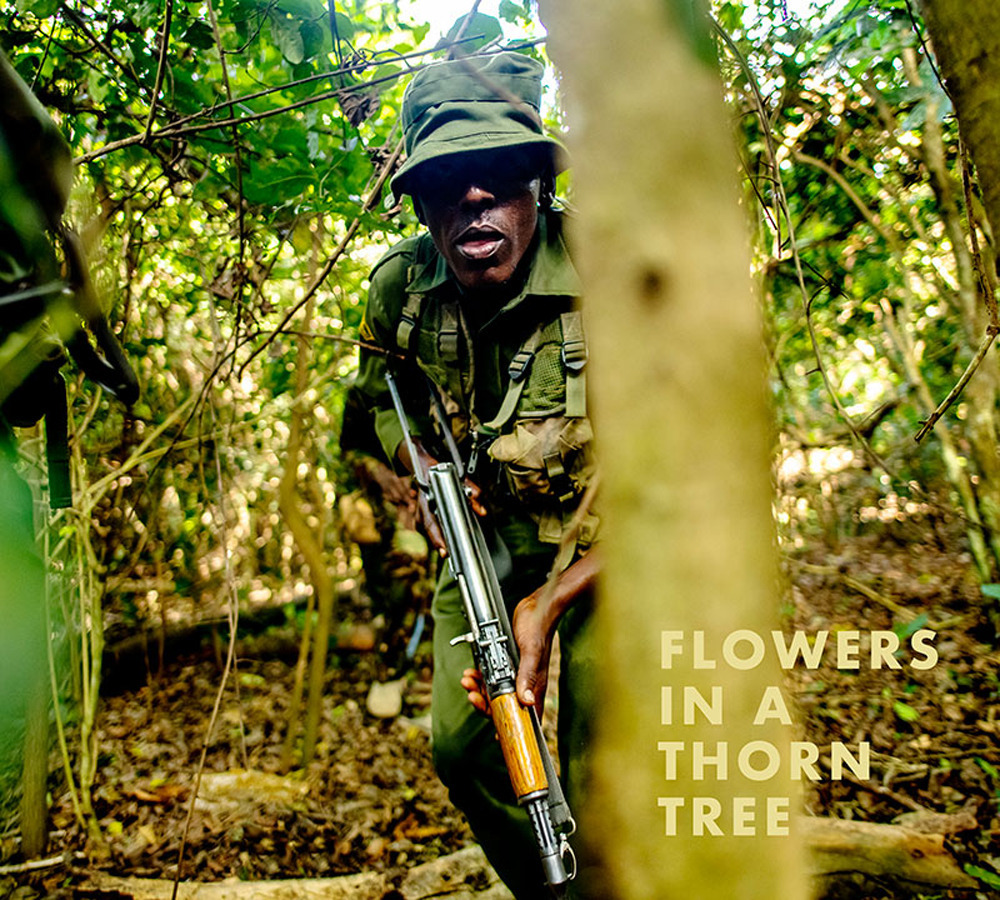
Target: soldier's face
{"x": 482, "y": 211}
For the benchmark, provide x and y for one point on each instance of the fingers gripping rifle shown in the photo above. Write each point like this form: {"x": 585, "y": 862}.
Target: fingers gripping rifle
{"x": 525, "y": 753}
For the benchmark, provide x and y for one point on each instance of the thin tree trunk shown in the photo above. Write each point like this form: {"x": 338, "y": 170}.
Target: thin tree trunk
{"x": 966, "y": 42}
{"x": 678, "y": 379}
{"x": 966, "y": 37}
{"x": 310, "y": 546}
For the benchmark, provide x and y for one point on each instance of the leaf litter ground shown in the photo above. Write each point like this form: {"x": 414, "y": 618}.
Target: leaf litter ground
{"x": 371, "y": 800}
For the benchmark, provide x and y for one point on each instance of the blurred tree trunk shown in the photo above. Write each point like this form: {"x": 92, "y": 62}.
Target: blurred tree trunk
{"x": 678, "y": 384}
{"x": 966, "y": 37}
{"x": 966, "y": 41}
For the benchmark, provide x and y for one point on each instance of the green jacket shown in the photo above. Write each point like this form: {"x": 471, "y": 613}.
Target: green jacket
{"x": 536, "y": 436}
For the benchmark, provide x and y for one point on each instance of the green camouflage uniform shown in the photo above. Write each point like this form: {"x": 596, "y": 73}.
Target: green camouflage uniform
{"x": 533, "y": 476}
{"x": 35, "y": 176}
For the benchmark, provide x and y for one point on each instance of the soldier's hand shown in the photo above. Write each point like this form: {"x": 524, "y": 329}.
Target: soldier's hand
{"x": 427, "y": 519}
{"x": 429, "y": 522}
{"x": 472, "y": 681}
{"x": 534, "y": 642}
{"x": 475, "y": 495}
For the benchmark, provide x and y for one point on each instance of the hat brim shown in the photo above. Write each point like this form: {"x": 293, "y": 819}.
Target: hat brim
{"x": 441, "y": 145}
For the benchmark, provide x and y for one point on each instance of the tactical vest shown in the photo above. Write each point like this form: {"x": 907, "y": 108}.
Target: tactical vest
{"x": 541, "y": 437}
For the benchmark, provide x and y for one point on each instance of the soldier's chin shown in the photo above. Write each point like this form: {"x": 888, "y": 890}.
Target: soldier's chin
{"x": 485, "y": 275}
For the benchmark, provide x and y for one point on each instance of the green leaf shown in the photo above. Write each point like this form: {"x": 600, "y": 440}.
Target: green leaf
{"x": 991, "y": 590}
{"x": 40, "y": 8}
{"x": 905, "y": 629}
{"x": 419, "y": 32}
{"x": 385, "y": 71}
{"x": 483, "y": 28}
{"x": 97, "y": 86}
{"x": 905, "y": 712}
{"x": 313, "y": 39}
{"x": 199, "y": 36}
{"x": 345, "y": 27}
{"x": 990, "y": 879}
{"x": 988, "y": 768}
{"x": 302, "y": 9}
{"x": 510, "y": 11}
{"x": 287, "y": 37}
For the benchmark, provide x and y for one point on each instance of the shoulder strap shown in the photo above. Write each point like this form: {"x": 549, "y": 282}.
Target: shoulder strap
{"x": 518, "y": 371}
{"x": 410, "y": 316}
{"x": 448, "y": 332}
{"x": 574, "y": 357}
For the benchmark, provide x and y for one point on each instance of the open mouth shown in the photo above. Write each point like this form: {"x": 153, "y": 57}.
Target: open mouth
{"x": 479, "y": 242}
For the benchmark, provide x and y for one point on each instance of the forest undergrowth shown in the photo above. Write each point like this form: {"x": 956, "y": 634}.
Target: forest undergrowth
{"x": 371, "y": 802}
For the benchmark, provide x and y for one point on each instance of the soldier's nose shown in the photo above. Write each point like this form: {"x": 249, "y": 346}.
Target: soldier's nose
{"x": 477, "y": 196}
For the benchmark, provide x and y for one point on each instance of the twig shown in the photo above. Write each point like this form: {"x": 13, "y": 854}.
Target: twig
{"x": 927, "y": 52}
{"x": 863, "y": 589}
{"x": 352, "y": 229}
{"x": 464, "y": 27}
{"x": 45, "y": 55}
{"x": 33, "y": 865}
{"x": 992, "y": 330}
{"x": 782, "y": 198}
{"x": 176, "y": 129}
{"x": 334, "y": 31}
{"x": 238, "y": 161}
{"x": 988, "y": 288}
{"x": 852, "y": 195}
{"x": 99, "y": 44}
{"x": 882, "y": 791}
{"x": 233, "y": 615}
{"x": 161, "y": 66}
{"x": 987, "y": 275}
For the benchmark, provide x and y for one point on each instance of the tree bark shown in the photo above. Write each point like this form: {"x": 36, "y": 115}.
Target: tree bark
{"x": 966, "y": 37}
{"x": 678, "y": 382}
{"x": 966, "y": 40}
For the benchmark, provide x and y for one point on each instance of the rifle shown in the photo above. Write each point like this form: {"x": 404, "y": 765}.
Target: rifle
{"x": 494, "y": 650}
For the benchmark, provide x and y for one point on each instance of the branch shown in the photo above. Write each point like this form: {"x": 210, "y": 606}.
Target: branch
{"x": 352, "y": 229}
{"x": 33, "y": 865}
{"x": 161, "y": 66}
{"x": 238, "y": 160}
{"x": 984, "y": 347}
{"x": 782, "y": 197}
{"x": 852, "y": 195}
{"x": 99, "y": 44}
{"x": 174, "y": 130}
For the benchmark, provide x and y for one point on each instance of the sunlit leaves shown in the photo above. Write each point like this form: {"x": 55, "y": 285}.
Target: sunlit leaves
{"x": 41, "y": 8}
{"x": 481, "y": 29}
{"x": 286, "y": 32}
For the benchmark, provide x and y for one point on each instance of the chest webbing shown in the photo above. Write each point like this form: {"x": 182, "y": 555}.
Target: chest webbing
{"x": 447, "y": 339}
{"x": 574, "y": 357}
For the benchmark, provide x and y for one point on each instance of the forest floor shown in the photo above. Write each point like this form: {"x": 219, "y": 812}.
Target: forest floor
{"x": 371, "y": 801}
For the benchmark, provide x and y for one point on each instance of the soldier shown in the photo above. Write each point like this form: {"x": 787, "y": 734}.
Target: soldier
{"x": 36, "y": 172}
{"x": 42, "y": 306}
{"x": 485, "y": 303}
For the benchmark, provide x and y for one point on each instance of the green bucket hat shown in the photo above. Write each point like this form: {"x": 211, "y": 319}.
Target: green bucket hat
{"x": 468, "y": 105}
